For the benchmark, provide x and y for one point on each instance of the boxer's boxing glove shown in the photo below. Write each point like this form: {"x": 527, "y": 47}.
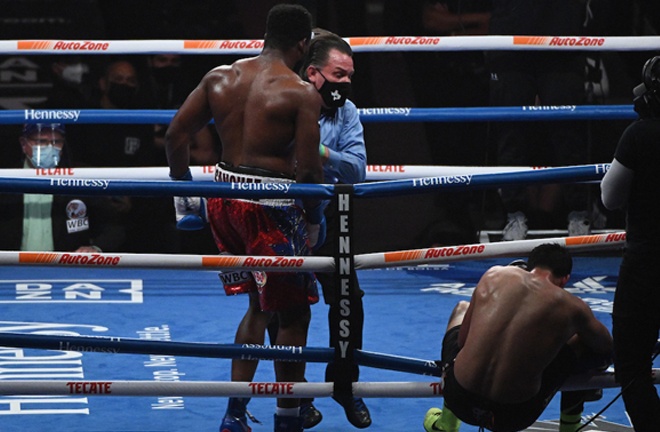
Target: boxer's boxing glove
{"x": 190, "y": 211}
{"x": 316, "y": 225}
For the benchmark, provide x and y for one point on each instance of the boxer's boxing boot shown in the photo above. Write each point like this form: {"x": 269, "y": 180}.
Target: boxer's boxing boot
{"x": 235, "y": 419}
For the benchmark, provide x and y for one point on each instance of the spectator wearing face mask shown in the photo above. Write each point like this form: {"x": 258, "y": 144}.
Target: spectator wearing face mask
{"x": 150, "y": 222}
{"x": 71, "y": 89}
{"x": 71, "y": 85}
{"x": 125, "y": 145}
{"x": 43, "y": 222}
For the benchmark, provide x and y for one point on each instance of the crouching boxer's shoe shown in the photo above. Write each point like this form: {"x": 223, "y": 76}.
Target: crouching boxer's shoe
{"x": 356, "y": 411}
{"x": 288, "y": 423}
{"x": 311, "y": 416}
{"x": 435, "y": 422}
{"x": 234, "y": 424}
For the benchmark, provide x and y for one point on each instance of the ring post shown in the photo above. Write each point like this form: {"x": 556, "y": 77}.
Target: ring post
{"x": 346, "y": 369}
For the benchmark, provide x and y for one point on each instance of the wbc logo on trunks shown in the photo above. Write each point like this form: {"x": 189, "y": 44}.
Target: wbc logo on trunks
{"x": 77, "y": 220}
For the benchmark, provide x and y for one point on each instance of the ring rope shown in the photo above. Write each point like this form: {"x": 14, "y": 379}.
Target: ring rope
{"x": 565, "y": 174}
{"x": 407, "y": 258}
{"x": 214, "y": 388}
{"x": 604, "y": 379}
{"x": 121, "y": 345}
{"x": 207, "y": 172}
{"x": 96, "y": 186}
{"x": 358, "y": 44}
{"x": 169, "y": 261}
{"x": 367, "y": 115}
{"x": 446, "y": 254}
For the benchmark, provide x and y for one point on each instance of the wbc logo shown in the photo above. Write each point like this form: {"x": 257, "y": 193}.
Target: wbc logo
{"x": 77, "y": 220}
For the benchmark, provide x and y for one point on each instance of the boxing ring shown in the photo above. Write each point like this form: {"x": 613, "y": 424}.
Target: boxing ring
{"x": 80, "y": 328}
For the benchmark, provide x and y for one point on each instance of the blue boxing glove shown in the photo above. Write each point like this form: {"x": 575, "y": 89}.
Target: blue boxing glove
{"x": 316, "y": 225}
{"x": 190, "y": 211}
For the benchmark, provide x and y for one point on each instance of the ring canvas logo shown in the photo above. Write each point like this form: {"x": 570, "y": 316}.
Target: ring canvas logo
{"x": 71, "y": 291}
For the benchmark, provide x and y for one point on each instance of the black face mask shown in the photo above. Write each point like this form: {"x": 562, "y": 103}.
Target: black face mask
{"x": 334, "y": 94}
{"x": 122, "y": 95}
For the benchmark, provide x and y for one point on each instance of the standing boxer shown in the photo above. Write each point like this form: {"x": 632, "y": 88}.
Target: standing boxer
{"x": 267, "y": 120}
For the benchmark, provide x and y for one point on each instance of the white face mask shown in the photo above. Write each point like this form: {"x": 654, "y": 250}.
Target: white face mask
{"x": 74, "y": 73}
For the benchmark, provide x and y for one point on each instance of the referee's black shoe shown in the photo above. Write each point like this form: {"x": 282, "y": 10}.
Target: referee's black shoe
{"x": 356, "y": 411}
{"x": 311, "y": 416}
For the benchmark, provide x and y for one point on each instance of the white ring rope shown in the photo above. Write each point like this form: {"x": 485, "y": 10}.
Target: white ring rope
{"x": 169, "y": 261}
{"x": 359, "y": 44}
{"x": 406, "y": 258}
{"x": 264, "y": 389}
{"x": 446, "y": 254}
{"x": 206, "y": 172}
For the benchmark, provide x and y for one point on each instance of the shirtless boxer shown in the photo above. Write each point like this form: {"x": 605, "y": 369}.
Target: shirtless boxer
{"x": 267, "y": 119}
{"x": 508, "y": 351}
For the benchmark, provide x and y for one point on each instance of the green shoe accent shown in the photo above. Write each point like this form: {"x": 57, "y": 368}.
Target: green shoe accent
{"x": 437, "y": 420}
{"x": 432, "y": 415}
{"x": 569, "y": 422}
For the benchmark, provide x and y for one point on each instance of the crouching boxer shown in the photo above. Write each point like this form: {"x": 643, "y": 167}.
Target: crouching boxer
{"x": 509, "y": 350}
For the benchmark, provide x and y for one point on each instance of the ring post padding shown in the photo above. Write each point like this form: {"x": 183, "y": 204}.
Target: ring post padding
{"x": 346, "y": 370}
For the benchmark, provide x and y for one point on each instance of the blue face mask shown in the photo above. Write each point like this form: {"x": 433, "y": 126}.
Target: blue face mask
{"x": 45, "y": 156}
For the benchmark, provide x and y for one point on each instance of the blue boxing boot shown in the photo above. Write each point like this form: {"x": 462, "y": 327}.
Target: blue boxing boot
{"x": 288, "y": 423}
{"x": 235, "y": 419}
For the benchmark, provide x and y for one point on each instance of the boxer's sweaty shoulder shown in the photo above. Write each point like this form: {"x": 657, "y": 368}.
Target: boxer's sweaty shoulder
{"x": 255, "y": 103}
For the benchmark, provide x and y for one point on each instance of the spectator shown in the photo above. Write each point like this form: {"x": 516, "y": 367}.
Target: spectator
{"x": 151, "y": 224}
{"x": 167, "y": 87}
{"x": 71, "y": 85}
{"x": 42, "y": 222}
{"x": 442, "y": 79}
{"x": 544, "y": 78}
{"x": 631, "y": 184}
{"x": 72, "y": 89}
{"x": 509, "y": 350}
{"x": 260, "y": 107}
{"x": 131, "y": 144}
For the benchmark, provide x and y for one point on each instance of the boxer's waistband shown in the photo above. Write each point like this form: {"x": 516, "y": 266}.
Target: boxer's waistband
{"x": 242, "y": 174}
